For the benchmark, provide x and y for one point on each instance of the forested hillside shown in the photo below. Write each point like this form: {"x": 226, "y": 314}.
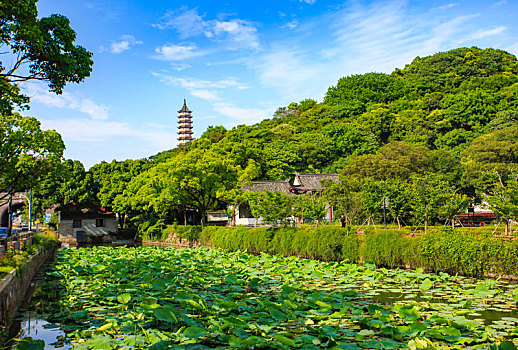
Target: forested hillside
{"x": 450, "y": 119}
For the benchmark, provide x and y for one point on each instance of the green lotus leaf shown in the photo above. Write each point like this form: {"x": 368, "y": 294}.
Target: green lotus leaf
{"x": 426, "y": 285}
{"x": 164, "y": 314}
{"x": 124, "y": 298}
{"x": 30, "y": 344}
{"x": 194, "y": 332}
{"x": 285, "y": 340}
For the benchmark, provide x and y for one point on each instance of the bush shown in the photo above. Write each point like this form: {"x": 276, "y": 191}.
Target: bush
{"x": 468, "y": 254}
{"x": 442, "y": 249}
{"x": 385, "y": 248}
{"x": 46, "y": 239}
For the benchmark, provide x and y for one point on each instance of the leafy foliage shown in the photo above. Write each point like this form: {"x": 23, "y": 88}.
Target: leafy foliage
{"x": 212, "y": 298}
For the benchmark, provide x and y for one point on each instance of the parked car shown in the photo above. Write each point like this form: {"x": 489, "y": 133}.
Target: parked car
{"x": 3, "y": 232}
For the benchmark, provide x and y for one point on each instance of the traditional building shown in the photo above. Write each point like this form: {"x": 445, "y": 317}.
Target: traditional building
{"x": 85, "y": 224}
{"x": 311, "y": 183}
{"x": 244, "y": 215}
{"x": 184, "y": 125}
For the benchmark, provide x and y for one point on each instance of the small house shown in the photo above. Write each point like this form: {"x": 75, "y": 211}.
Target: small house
{"x": 85, "y": 224}
{"x": 244, "y": 214}
{"x": 312, "y": 184}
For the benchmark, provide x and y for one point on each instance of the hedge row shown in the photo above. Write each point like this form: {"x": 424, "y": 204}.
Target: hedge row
{"x": 325, "y": 243}
{"x": 441, "y": 250}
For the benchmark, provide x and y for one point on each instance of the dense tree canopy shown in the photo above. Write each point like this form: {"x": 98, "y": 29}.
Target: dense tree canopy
{"x": 436, "y": 128}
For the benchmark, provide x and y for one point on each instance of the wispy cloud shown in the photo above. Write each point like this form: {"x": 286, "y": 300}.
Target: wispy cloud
{"x": 124, "y": 44}
{"x": 233, "y": 33}
{"x": 204, "y": 89}
{"x": 194, "y": 83}
{"x": 482, "y": 34}
{"x": 180, "y": 66}
{"x": 67, "y": 100}
{"x": 354, "y": 40}
{"x": 178, "y": 52}
{"x": 448, "y": 6}
{"x": 205, "y": 95}
{"x": 311, "y": 2}
{"x": 243, "y": 115}
{"x": 291, "y": 25}
{"x": 78, "y": 129}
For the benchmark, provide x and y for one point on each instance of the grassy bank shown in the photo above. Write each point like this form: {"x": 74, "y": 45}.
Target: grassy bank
{"x": 18, "y": 259}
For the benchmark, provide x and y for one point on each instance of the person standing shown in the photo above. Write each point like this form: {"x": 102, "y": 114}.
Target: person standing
{"x": 342, "y": 220}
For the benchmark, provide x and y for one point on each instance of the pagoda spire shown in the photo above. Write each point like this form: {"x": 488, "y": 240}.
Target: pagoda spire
{"x": 184, "y": 125}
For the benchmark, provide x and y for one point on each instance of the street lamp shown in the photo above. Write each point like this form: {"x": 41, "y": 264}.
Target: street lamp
{"x": 29, "y": 199}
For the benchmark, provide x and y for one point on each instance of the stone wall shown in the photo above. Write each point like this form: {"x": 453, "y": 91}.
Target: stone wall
{"x": 173, "y": 241}
{"x": 14, "y": 286}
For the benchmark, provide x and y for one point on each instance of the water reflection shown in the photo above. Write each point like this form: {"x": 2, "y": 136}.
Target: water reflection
{"x": 51, "y": 334}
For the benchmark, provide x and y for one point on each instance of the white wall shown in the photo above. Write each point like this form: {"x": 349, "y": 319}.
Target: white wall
{"x": 88, "y": 226}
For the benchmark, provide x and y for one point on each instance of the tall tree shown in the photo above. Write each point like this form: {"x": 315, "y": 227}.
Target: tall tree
{"x": 41, "y": 48}
{"x": 26, "y": 152}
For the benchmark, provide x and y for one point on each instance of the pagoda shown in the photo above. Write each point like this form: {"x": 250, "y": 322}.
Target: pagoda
{"x": 184, "y": 125}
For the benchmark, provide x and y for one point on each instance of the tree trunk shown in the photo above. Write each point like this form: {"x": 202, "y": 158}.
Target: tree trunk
{"x": 425, "y": 223}
{"x": 453, "y": 224}
{"x": 202, "y": 212}
{"x": 122, "y": 218}
{"x": 398, "y": 223}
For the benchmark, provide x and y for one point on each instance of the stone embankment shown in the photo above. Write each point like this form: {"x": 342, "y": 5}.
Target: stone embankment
{"x": 174, "y": 241}
{"x": 14, "y": 286}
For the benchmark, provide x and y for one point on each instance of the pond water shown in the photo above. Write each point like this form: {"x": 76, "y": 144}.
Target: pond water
{"x": 33, "y": 326}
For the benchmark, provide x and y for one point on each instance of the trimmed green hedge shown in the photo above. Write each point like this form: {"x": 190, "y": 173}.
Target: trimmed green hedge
{"x": 469, "y": 253}
{"x": 441, "y": 250}
{"x": 324, "y": 243}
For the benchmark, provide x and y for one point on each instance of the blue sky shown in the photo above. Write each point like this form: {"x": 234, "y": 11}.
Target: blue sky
{"x": 236, "y": 62}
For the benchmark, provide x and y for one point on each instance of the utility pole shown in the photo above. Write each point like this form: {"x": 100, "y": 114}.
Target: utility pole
{"x": 384, "y": 213}
{"x": 10, "y": 213}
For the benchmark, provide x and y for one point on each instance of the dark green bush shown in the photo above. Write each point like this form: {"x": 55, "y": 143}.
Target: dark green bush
{"x": 442, "y": 249}
{"x": 468, "y": 254}
{"x": 385, "y": 248}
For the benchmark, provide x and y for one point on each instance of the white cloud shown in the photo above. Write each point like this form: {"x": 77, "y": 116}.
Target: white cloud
{"x": 513, "y": 49}
{"x": 124, "y": 44}
{"x": 205, "y": 95}
{"x": 448, "y": 6}
{"x": 194, "y": 83}
{"x": 234, "y": 33}
{"x": 177, "y": 52}
{"x": 356, "y": 39}
{"x": 66, "y": 100}
{"x": 292, "y": 71}
{"x": 291, "y": 25}
{"x": 311, "y": 2}
{"x": 187, "y": 23}
{"x": 180, "y": 66}
{"x": 481, "y": 34}
{"x": 243, "y": 115}
{"x": 154, "y": 137}
{"x": 238, "y": 33}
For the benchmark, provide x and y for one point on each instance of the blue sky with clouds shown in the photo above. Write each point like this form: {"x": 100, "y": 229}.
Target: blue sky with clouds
{"x": 236, "y": 62}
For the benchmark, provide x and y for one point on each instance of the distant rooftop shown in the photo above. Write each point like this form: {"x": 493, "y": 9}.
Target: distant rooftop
{"x": 282, "y": 186}
{"x": 312, "y": 182}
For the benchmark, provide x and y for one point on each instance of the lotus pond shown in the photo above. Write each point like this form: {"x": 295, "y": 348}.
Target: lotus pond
{"x": 160, "y": 298}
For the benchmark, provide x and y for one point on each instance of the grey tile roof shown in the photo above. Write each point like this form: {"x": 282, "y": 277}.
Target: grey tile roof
{"x": 312, "y": 182}
{"x": 282, "y": 186}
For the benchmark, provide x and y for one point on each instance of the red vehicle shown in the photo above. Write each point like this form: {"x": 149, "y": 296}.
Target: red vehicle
{"x": 475, "y": 218}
